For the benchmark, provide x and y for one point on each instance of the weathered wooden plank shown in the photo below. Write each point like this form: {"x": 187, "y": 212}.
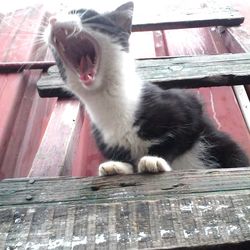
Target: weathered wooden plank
{"x": 48, "y": 227}
{"x": 18, "y": 41}
{"x": 244, "y": 103}
{"x": 196, "y": 71}
{"x": 18, "y": 67}
{"x": 178, "y": 15}
{"x": 173, "y": 72}
{"x": 120, "y": 188}
{"x": 55, "y": 154}
{"x": 176, "y": 210}
{"x": 237, "y": 40}
{"x": 87, "y": 156}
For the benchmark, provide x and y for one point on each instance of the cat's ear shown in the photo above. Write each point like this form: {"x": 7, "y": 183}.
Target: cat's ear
{"x": 122, "y": 16}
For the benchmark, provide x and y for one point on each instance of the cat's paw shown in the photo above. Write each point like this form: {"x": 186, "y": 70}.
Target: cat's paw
{"x": 153, "y": 164}
{"x": 115, "y": 168}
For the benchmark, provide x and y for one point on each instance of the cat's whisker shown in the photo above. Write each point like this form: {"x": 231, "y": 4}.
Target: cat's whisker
{"x": 84, "y": 13}
{"x": 66, "y": 32}
{"x": 54, "y": 40}
{"x": 90, "y": 18}
{"x": 73, "y": 33}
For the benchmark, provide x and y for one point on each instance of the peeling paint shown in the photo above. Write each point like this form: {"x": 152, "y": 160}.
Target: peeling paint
{"x": 209, "y": 230}
{"x": 142, "y": 236}
{"x": 214, "y": 111}
{"x": 100, "y": 238}
{"x": 164, "y": 232}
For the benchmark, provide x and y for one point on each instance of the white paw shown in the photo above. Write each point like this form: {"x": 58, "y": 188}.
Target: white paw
{"x": 153, "y": 164}
{"x": 115, "y": 167}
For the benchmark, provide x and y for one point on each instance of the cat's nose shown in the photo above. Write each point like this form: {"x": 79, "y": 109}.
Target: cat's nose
{"x": 52, "y": 20}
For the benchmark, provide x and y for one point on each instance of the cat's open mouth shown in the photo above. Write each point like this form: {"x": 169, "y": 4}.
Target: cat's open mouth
{"x": 79, "y": 51}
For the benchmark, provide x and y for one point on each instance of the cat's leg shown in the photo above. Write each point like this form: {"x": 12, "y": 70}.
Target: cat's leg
{"x": 153, "y": 164}
{"x": 114, "y": 168}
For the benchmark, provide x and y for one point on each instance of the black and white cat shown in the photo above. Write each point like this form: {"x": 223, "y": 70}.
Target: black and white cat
{"x": 138, "y": 126}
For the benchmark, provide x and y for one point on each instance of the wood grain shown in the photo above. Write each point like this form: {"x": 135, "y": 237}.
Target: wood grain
{"x": 173, "y": 72}
{"x": 169, "y": 15}
{"x": 177, "y": 210}
{"x": 55, "y": 154}
{"x": 15, "y": 105}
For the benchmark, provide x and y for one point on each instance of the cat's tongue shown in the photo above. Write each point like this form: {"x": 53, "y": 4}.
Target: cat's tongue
{"x": 87, "y": 70}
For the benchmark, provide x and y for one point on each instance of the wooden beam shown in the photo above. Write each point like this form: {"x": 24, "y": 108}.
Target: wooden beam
{"x": 179, "y": 15}
{"x": 173, "y": 72}
{"x": 55, "y": 154}
{"x": 18, "y": 42}
{"x": 237, "y": 40}
{"x": 18, "y": 67}
{"x": 207, "y": 209}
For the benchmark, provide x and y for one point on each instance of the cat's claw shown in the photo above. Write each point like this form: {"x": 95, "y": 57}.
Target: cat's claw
{"x": 115, "y": 168}
{"x": 152, "y": 164}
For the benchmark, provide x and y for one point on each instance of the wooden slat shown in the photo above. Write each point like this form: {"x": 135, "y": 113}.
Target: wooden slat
{"x": 179, "y": 15}
{"x": 18, "y": 67}
{"x": 164, "y": 211}
{"x": 179, "y": 72}
{"x": 197, "y": 71}
{"x": 18, "y": 40}
{"x": 54, "y": 156}
{"x": 87, "y": 157}
{"x": 244, "y": 103}
{"x": 237, "y": 40}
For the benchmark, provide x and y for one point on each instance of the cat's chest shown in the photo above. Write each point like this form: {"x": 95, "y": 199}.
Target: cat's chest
{"x": 124, "y": 134}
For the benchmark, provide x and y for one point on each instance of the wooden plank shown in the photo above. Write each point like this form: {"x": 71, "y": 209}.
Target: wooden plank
{"x": 16, "y": 46}
{"x": 54, "y": 156}
{"x": 175, "y": 210}
{"x": 196, "y": 71}
{"x": 87, "y": 156}
{"x": 178, "y": 72}
{"x": 179, "y": 15}
{"x": 13, "y": 192}
{"x": 237, "y": 40}
{"x": 244, "y": 103}
{"x": 18, "y": 67}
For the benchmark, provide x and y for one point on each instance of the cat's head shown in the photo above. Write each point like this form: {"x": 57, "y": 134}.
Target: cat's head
{"x": 85, "y": 43}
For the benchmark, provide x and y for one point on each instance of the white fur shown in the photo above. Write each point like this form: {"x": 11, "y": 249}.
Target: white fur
{"x": 152, "y": 164}
{"x": 191, "y": 159}
{"x": 115, "y": 167}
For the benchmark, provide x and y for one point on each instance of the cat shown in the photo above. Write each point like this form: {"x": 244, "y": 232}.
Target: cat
{"x": 138, "y": 127}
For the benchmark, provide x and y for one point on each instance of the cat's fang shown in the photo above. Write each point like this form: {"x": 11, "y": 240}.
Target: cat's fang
{"x": 54, "y": 40}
